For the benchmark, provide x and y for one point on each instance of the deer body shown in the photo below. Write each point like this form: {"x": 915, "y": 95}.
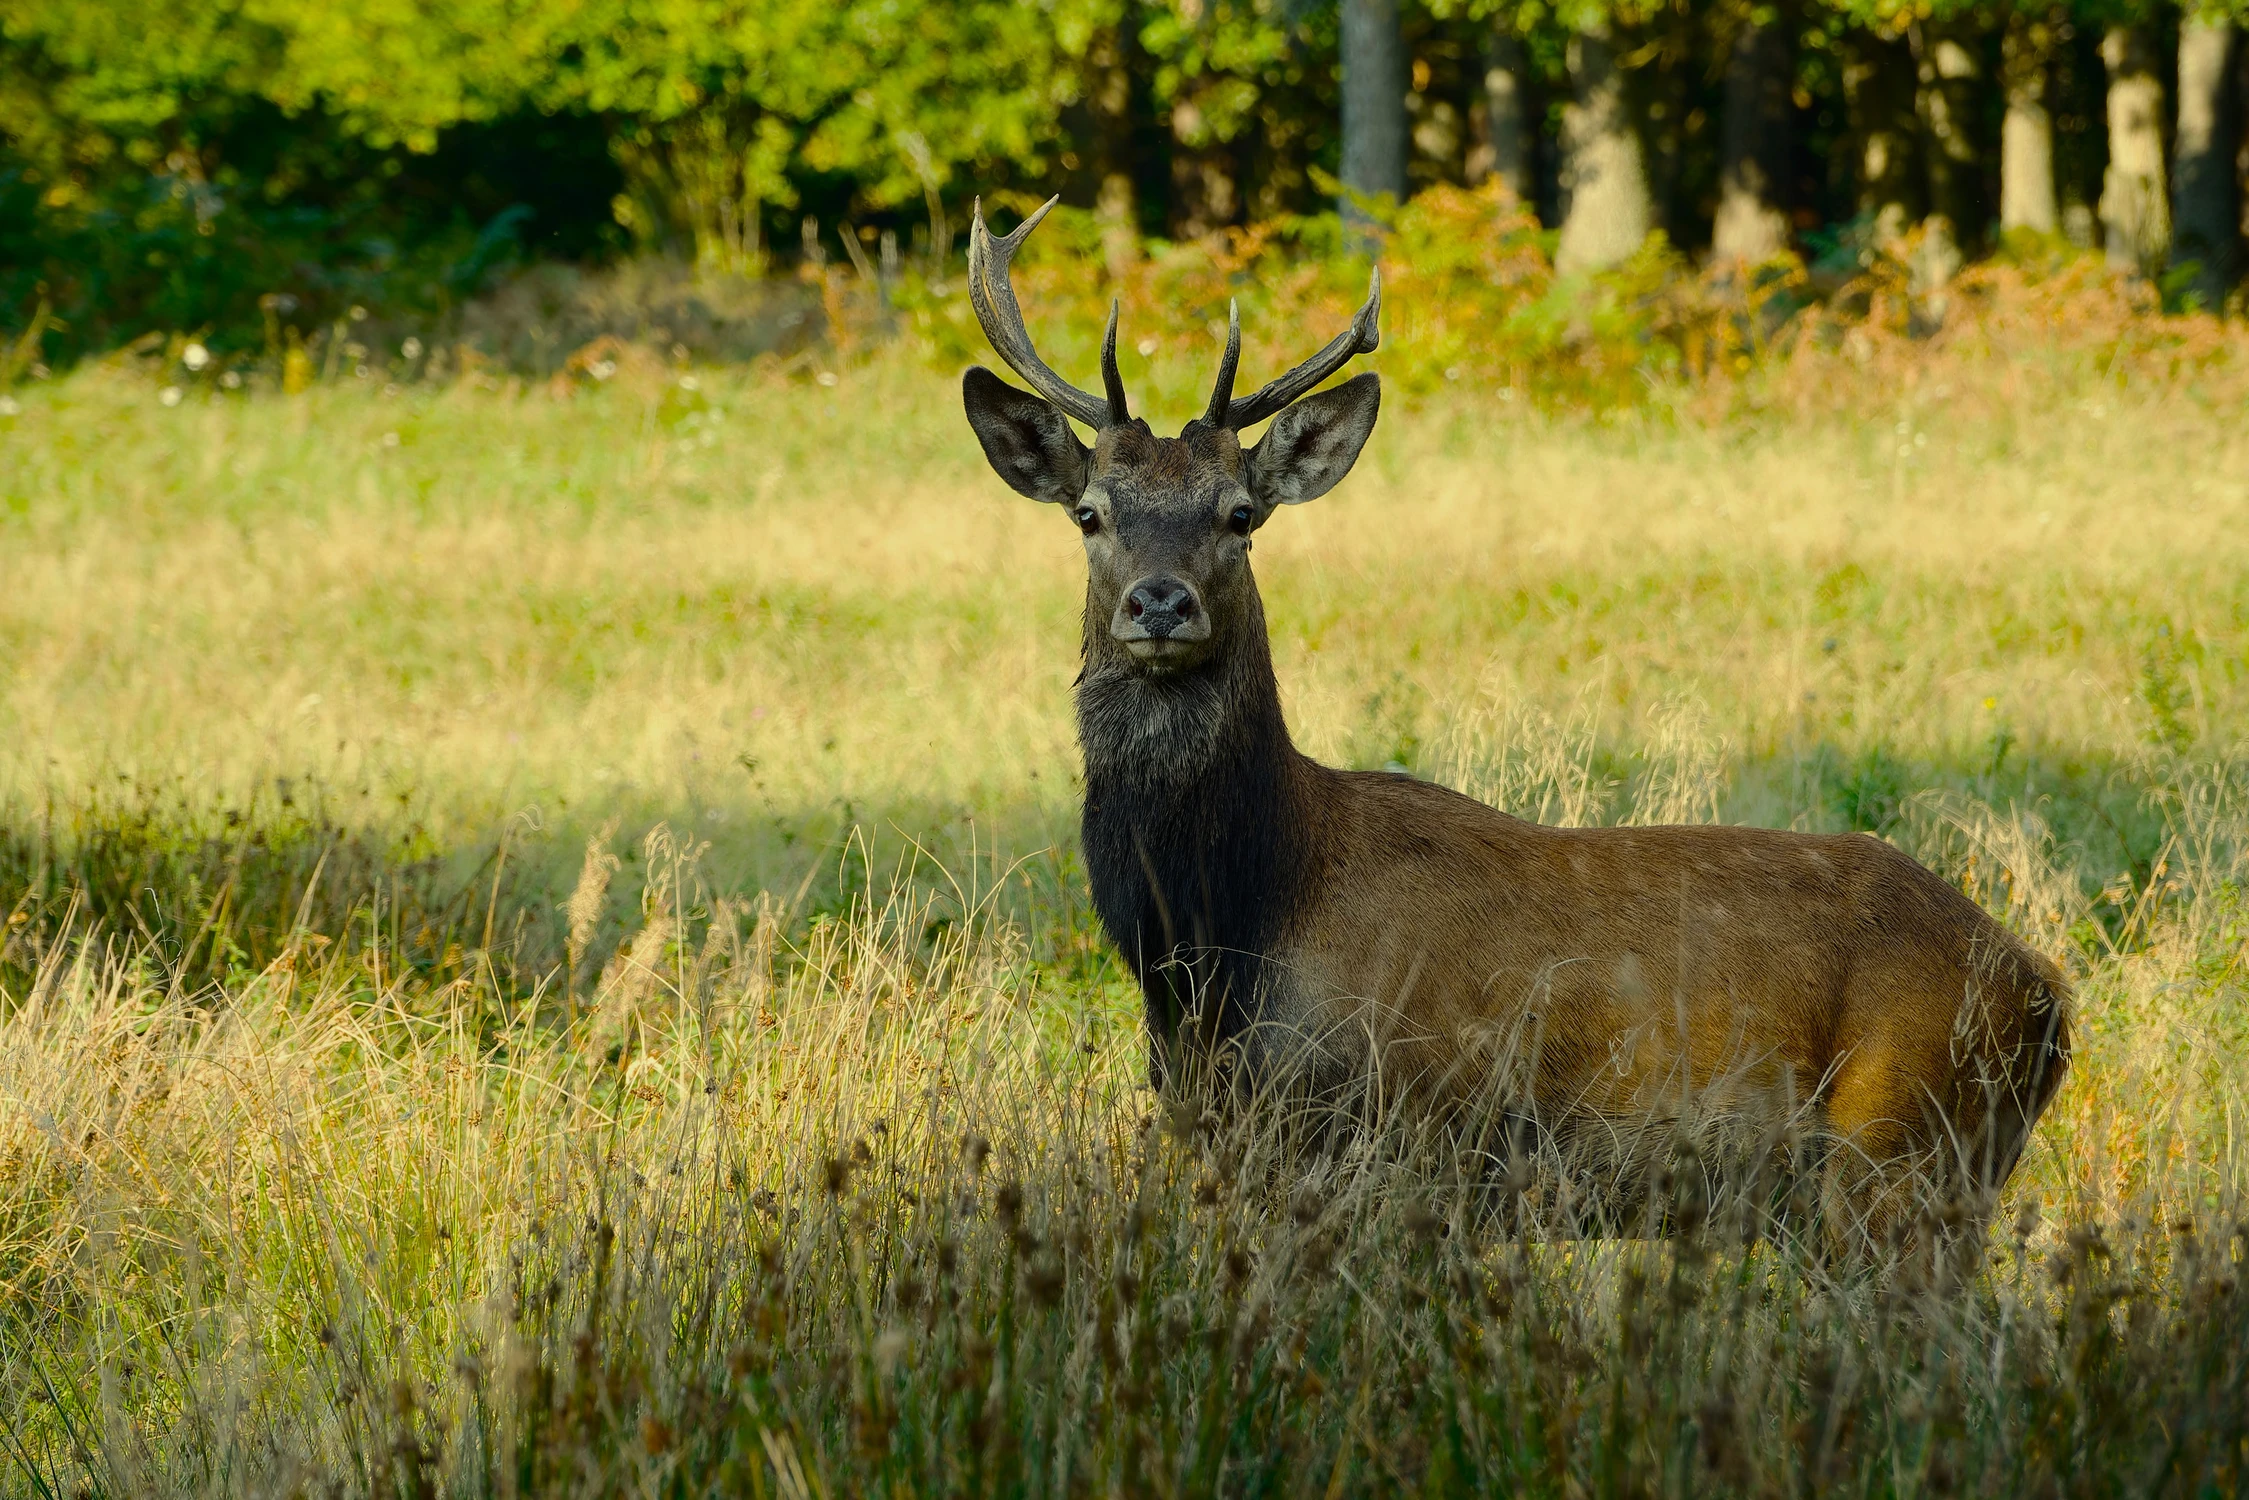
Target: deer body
{"x": 1357, "y": 929}
{"x": 1338, "y": 924}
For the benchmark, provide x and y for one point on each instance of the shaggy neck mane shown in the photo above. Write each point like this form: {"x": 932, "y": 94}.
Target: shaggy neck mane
{"x": 1196, "y": 831}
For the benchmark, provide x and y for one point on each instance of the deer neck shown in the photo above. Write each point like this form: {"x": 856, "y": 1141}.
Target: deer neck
{"x": 1182, "y": 737}
{"x": 1198, "y": 824}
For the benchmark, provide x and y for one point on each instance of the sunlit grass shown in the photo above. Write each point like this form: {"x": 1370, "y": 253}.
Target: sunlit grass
{"x": 794, "y": 597}
{"x": 818, "y": 1161}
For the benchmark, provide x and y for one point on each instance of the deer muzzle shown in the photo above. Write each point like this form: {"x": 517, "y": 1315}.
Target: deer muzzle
{"x": 1161, "y": 619}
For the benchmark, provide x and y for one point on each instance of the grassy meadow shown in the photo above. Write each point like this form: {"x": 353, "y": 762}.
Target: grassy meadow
{"x": 543, "y": 952}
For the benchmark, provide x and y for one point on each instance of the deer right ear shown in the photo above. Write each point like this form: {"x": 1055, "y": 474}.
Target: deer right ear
{"x": 1028, "y": 442}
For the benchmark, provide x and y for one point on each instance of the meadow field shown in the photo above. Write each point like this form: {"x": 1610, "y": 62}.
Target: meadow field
{"x": 544, "y": 951}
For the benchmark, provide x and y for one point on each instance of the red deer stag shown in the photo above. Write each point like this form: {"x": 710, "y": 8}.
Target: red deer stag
{"x": 1355, "y": 925}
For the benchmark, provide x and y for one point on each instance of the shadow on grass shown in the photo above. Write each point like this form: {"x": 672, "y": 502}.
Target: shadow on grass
{"x": 211, "y": 893}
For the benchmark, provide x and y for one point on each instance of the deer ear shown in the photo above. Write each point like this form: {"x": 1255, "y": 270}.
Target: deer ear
{"x": 1313, "y": 444}
{"x": 1028, "y": 442}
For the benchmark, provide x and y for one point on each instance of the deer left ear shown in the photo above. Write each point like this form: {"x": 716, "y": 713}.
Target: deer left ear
{"x": 1313, "y": 444}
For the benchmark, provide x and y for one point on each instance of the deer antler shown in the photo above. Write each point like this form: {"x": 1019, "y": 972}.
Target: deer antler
{"x": 1222, "y": 391}
{"x": 990, "y": 293}
{"x": 1362, "y": 337}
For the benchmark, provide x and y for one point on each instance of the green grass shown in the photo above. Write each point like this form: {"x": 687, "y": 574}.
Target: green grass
{"x": 814, "y": 1160}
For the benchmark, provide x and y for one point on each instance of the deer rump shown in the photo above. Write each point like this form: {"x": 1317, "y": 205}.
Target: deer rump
{"x": 1611, "y": 993}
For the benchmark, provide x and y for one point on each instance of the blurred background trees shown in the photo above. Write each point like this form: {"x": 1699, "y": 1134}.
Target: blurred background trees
{"x": 247, "y": 165}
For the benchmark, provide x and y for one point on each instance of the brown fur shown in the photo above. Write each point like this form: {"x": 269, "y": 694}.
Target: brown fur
{"x": 1644, "y": 975}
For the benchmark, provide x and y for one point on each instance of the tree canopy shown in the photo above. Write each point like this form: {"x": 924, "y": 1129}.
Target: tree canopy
{"x": 176, "y": 163}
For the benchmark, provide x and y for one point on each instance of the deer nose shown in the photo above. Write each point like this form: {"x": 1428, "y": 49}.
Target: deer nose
{"x": 1163, "y": 607}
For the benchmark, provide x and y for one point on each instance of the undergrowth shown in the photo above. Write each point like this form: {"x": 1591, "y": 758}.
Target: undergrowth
{"x": 1473, "y": 305}
{"x": 876, "y": 1203}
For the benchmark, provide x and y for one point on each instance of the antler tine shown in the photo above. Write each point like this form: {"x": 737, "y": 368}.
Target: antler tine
{"x": 1362, "y": 337}
{"x": 990, "y": 293}
{"x": 1222, "y": 390}
{"x": 1111, "y": 381}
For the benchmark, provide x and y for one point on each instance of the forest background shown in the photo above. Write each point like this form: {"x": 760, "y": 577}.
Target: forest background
{"x": 247, "y": 173}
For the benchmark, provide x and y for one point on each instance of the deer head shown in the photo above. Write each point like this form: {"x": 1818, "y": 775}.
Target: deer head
{"x": 1167, "y": 521}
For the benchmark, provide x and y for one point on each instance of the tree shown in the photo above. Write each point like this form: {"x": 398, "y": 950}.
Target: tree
{"x": 187, "y": 161}
{"x": 1952, "y": 85}
{"x": 1120, "y": 119}
{"x": 1507, "y": 130}
{"x": 727, "y": 107}
{"x": 1880, "y": 85}
{"x": 83, "y": 86}
{"x": 1752, "y": 222}
{"x": 1607, "y": 211}
{"x": 1506, "y": 146}
{"x": 1374, "y": 101}
{"x": 1250, "y": 95}
{"x": 2135, "y": 210}
{"x": 194, "y": 158}
{"x": 2026, "y": 139}
{"x": 2206, "y": 212}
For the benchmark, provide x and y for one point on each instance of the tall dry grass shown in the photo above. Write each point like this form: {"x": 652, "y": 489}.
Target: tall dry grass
{"x": 542, "y": 955}
{"x": 880, "y": 1207}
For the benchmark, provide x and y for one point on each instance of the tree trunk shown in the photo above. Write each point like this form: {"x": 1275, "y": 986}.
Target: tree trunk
{"x": 2079, "y": 97}
{"x": 1752, "y": 224}
{"x": 2205, "y": 201}
{"x": 1879, "y": 83}
{"x": 2026, "y": 141}
{"x": 1374, "y": 101}
{"x": 1607, "y": 212}
{"x": 1205, "y": 194}
{"x": 1505, "y": 152}
{"x": 2241, "y": 154}
{"x": 1951, "y": 81}
{"x": 1109, "y": 99}
{"x": 2135, "y": 212}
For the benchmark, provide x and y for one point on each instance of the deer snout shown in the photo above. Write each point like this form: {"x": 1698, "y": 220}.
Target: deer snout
{"x": 1157, "y": 609}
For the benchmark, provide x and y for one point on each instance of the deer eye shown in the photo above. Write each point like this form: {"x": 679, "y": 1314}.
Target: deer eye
{"x": 1240, "y": 520}
{"x": 1088, "y": 519}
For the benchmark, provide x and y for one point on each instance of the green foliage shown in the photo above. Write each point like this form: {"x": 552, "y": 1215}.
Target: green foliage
{"x": 734, "y": 104}
{"x": 178, "y": 169}
{"x": 166, "y": 169}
